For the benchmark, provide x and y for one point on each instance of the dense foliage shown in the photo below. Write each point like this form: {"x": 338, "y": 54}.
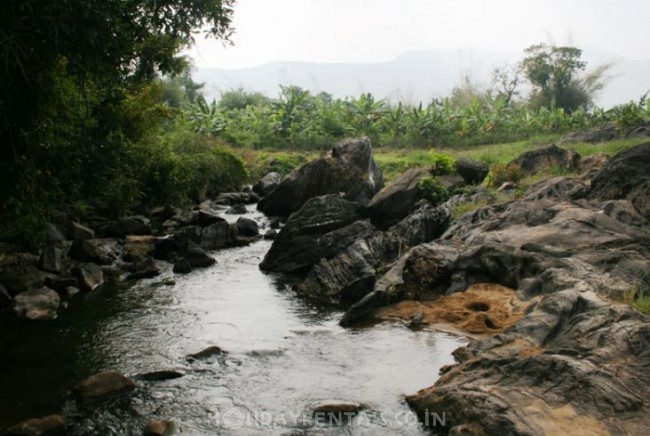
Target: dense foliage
{"x": 82, "y": 110}
{"x": 299, "y": 120}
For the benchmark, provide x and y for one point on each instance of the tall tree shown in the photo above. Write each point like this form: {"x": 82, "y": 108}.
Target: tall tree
{"x": 554, "y": 73}
{"x": 98, "y": 53}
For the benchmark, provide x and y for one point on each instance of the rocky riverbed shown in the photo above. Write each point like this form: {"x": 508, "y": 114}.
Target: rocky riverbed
{"x": 533, "y": 283}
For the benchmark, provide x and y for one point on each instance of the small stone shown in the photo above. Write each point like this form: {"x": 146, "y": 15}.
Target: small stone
{"x": 159, "y": 428}
{"x": 48, "y": 425}
{"x": 37, "y": 304}
{"x": 103, "y": 385}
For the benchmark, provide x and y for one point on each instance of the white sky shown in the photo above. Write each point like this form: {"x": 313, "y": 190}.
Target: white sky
{"x": 379, "y": 30}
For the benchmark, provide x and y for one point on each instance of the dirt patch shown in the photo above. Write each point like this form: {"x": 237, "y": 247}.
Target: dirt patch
{"x": 483, "y": 308}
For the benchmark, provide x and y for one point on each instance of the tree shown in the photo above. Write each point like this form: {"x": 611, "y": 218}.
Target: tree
{"x": 554, "y": 74}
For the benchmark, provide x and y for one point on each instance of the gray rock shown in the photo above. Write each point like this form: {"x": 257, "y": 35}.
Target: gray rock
{"x": 267, "y": 184}
{"x": 79, "y": 231}
{"x": 45, "y": 426}
{"x": 103, "y": 385}
{"x": 271, "y": 234}
{"x": 144, "y": 269}
{"x": 89, "y": 276}
{"x": 182, "y": 267}
{"x": 247, "y": 227}
{"x": 395, "y": 201}
{"x": 350, "y": 169}
{"x": 472, "y": 172}
{"x": 544, "y": 158}
{"x": 134, "y": 225}
{"x": 320, "y": 229}
{"x": 593, "y": 135}
{"x": 237, "y": 209}
{"x": 217, "y": 235}
{"x": 36, "y": 304}
{"x": 625, "y": 176}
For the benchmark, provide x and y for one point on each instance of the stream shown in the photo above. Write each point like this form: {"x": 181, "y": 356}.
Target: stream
{"x": 284, "y": 355}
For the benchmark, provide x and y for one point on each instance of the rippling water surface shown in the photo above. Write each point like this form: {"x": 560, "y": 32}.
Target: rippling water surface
{"x": 284, "y": 356}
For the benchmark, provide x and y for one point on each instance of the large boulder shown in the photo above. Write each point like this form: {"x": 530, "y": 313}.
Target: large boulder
{"x": 350, "y": 169}
{"x": 625, "y": 176}
{"x": 350, "y": 275}
{"x": 36, "y": 304}
{"x": 267, "y": 184}
{"x": 471, "y": 171}
{"x": 395, "y": 201}
{"x": 321, "y": 228}
{"x": 133, "y": 225}
{"x": 89, "y": 276}
{"x": 593, "y": 135}
{"x": 541, "y": 159}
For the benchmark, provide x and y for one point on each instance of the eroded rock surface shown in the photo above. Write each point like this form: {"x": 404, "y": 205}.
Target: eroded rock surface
{"x": 350, "y": 169}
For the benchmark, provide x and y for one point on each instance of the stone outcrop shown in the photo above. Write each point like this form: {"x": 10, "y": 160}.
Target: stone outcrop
{"x": 472, "y": 172}
{"x": 103, "y": 385}
{"x": 349, "y": 169}
{"x": 320, "y": 229}
{"x": 396, "y": 200}
{"x": 544, "y": 158}
{"x": 556, "y": 351}
{"x": 267, "y": 184}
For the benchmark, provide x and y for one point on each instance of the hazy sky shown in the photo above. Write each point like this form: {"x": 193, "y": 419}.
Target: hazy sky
{"x": 379, "y": 30}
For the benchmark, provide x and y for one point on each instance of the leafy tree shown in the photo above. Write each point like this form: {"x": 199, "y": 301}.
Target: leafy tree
{"x": 554, "y": 74}
{"x": 237, "y": 99}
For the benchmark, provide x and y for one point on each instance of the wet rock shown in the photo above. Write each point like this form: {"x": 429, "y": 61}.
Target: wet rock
{"x": 20, "y": 275}
{"x": 230, "y": 198}
{"x": 395, "y": 201}
{"x": 275, "y": 222}
{"x": 134, "y": 225}
{"x": 161, "y": 375}
{"x": 103, "y": 385}
{"x": 45, "y": 426}
{"x": 237, "y": 209}
{"x": 37, "y": 304}
{"x": 217, "y": 235}
{"x": 89, "y": 276}
{"x": 182, "y": 267}
{"x": 625, "y": 176}
{"x": 196, "y": 256}
{"x": 5, "y": 298}
{"x": 60, "y": 284}
{"x": 78, "y": 231}
{"x": 51, "y": 259}
{"x": 101, "y": 251}
{"x": 472, "y": 172}
{"x": 159, "y": 427}
{"x": 267, "y": 184}
{"x": 171, "y": 248}
{"x": 247, "y": 227}
{"x": 320, "y": 229}
{"x": 270, "y": 234}
{"x": 553, "y": 156}
{"x": 137, "y": 248}
{"x": 350, "y": 169}
{"x": 205, "y": 219}
{"x": 144, "y": 269}
{"x": 350, "y": 275}
{"x": 208, "y": 353}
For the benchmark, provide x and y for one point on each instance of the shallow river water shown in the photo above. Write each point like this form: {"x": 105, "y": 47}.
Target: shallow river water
{"x": 284, "y": 355}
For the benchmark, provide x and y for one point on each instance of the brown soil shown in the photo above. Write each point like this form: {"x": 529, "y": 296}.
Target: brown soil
{"x": 483, "y": 308}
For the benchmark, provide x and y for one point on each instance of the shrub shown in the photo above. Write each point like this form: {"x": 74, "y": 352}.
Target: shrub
{"x": 430, "y": 189}
{"x": 441, "y": 163}
{"x": 501, "y": 173}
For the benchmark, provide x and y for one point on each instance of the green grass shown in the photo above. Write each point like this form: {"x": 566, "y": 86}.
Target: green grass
{"x": 638, "y": 297}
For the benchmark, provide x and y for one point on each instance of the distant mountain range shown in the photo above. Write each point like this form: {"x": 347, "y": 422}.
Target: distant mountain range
{"x": 413, "y": 76}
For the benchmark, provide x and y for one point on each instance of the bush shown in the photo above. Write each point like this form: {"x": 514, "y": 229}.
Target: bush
{"x": 501, "y": 173}
{"x": 430, "y": 189}
{"x": 441, "y": 163}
